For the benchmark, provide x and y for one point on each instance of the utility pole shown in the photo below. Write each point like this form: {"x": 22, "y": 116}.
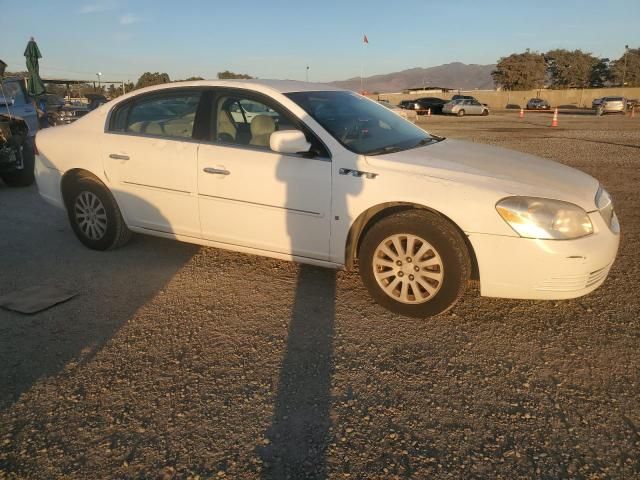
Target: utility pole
{"x": 307, "y": 77}
{"x": 624, "y": 72}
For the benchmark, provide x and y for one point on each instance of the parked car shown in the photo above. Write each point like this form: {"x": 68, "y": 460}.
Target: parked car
{"x": 18, "y": 126}
{"x": 538, "y": 104}
{"x": 335, "y": 180}
{"x": 433, "y": 103}
{"x": 467, "y": 97}
{"x": 595, "y": 103}
{"x": 15, "y": 101}
{"x": 614, "y": 105}
{"x": 404, "y": 113}
{"x": 632, "y": 103}
{"x": 463, "y": 97}
{"x": 70, "y": 112}
{"x": 409, "y": 105}
{"x": 465, "y": 107}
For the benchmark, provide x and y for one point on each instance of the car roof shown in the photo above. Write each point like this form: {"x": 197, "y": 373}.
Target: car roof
{"x": 279, "y": 86}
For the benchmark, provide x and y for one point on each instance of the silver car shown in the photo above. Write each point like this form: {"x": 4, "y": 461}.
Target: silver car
{"x": 464, "y": 107}
{"x": 614, "y": 105}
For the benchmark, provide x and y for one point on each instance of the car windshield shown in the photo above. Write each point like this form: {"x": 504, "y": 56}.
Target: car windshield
{"x": 13, "y": 92}
{"x": 361, "y": 125}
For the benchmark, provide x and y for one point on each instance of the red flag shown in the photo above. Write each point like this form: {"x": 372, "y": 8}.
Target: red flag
{"x": 365, "y": 39}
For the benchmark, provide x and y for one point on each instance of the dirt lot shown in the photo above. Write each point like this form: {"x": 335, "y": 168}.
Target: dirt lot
{"x": 182, "y": 362}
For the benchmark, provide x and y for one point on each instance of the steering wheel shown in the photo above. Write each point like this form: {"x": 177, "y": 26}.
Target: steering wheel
{"x": 350, "y": 128}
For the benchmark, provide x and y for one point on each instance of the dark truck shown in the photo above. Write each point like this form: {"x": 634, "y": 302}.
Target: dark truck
{"x": 18, "y": 127}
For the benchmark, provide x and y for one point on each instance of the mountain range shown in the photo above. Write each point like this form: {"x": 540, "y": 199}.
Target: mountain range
{"x": 451, "y": 75}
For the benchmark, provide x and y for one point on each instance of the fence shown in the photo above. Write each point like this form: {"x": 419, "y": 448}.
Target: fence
{"x": 575, "y": 97}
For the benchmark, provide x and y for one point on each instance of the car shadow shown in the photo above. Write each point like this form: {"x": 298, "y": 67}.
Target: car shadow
{"x": 299, "y": 434}
{"x": 39, "y": 248}
{"x": 300, "y": 430}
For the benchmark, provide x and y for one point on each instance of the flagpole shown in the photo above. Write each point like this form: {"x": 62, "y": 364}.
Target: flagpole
{"x": 361, "y": 66}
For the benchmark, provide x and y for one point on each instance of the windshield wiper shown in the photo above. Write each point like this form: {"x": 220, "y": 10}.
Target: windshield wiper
{"x": 383, "y": 150}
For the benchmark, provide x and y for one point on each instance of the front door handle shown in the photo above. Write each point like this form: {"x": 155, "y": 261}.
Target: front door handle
{"x": 216, "y": 171}
{"x": 117, "y": 156}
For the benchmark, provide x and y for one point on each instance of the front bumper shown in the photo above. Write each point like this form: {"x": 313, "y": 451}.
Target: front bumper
{"x": 514, "y": 267}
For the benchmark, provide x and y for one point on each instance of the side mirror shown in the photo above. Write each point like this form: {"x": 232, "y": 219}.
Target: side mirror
{"x": 289, "y": 141}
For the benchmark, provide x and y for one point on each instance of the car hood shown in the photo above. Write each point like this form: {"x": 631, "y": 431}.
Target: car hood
{"x": 508, "y": 171}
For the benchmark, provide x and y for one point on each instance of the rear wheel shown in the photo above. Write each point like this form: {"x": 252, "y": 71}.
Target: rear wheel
{"x": 25, "y": 176}
{"x": 94, "y": 215}
{"x": 414, "y": 263}
{"x": 460, "y": 113}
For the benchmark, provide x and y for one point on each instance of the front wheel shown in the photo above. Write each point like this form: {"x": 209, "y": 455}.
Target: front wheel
{"x": 485, "y": 112}
{"x": 460, "y": 113}
{"x": 414, "y": 263}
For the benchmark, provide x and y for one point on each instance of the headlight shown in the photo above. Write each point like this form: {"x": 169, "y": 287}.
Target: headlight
{"x": 605, "y": 205}
{"x": 544, "y": 218}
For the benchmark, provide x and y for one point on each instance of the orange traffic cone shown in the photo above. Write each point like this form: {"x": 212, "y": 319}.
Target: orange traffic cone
{"x": 522, "y": 113}
{"x": 554, "y": 122}
{"x": 429, "y": 113}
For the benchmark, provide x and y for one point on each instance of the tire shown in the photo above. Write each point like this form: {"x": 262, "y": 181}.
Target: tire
{"x": 26, "y": 176}
{"x": 94, "y": 215}
{"x": 485, "y": 112}
{"x": 445, "y": 269}
{"x": 460, "y": 113}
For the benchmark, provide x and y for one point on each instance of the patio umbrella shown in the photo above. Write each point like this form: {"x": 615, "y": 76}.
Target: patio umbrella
{"x": 32, "y": 54}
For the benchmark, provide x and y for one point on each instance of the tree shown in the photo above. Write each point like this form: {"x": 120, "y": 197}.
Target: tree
{"x": 191, "y": 79}
{"x": 601, "y": 73}
{"x": 520, "y": 71}
{"x": 147, "y": 79}
{"x": 116, "y": 90}
{"x": 570, "y": 68}
{"x": 627, "y": 68}
{"x": 226, "y": 75}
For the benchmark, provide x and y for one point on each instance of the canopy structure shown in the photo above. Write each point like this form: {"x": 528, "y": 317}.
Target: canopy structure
{"x": 32, "y": 53}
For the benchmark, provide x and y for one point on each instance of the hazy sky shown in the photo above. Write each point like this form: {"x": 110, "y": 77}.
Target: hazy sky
{"x": 279, "y": 38}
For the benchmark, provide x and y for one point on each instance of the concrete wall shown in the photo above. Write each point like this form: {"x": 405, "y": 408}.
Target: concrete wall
{"x": 580, "y": 98}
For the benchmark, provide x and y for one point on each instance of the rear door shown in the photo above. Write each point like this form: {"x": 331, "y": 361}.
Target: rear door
{"x": 150, "y": 159}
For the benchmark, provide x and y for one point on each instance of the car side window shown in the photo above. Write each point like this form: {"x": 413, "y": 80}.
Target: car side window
{"x": 245, "y": 121}
{"x": 169, "y": 115}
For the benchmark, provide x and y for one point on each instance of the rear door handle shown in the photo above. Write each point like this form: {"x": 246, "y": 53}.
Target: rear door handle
{"x": 216, "y": 171}
{"x": 117, "y": 156}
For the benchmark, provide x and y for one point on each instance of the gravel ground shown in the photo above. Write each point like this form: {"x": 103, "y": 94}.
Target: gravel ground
{"x": 182, "y": 362}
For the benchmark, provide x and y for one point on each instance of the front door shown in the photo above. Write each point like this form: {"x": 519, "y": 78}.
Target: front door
{"x": 151, "y": 161}
{"x": 252, "y": 196}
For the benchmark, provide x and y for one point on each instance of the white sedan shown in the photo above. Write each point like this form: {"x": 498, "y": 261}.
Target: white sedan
{"x": 330, "y": 178}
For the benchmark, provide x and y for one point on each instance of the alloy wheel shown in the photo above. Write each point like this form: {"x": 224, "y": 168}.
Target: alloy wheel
{"x": 90, "y": 215}
{"x": 408, "y": 268}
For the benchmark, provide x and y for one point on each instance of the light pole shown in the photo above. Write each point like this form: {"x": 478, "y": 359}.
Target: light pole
{"x": 624, "y": 72}
{"x": 307, "y": 77}
{"x": 99, "y": 74}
